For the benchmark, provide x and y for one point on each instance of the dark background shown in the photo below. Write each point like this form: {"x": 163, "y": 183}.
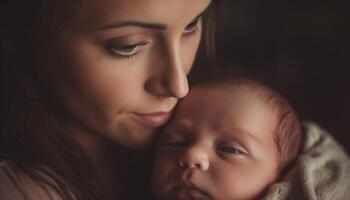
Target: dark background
{"x": 302, "y": 46}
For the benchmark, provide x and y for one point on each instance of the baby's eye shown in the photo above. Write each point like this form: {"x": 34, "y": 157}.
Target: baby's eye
{"x": 173, "y": 140}
{"x": 176, "y": 143}
{"x": 126, "y": 50}
{"x": 193, "y": 26}
{"x": 230, "y": 150}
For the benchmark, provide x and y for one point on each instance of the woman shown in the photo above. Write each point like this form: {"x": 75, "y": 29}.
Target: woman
{"x": 86, "y": 84}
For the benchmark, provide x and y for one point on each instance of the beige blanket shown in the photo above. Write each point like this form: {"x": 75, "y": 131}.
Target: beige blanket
{"x": 321, "y": 172}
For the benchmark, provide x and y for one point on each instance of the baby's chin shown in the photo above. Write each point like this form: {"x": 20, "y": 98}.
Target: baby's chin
{"x": 182, "y": 192}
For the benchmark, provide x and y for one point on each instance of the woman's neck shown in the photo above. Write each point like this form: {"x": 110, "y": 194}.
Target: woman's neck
{"x": 134, "y": 171}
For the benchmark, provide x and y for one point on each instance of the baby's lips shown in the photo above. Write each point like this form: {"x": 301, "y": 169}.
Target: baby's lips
{"x": 189, "y": 190}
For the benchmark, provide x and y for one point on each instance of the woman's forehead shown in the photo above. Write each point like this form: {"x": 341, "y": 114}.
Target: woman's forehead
{"x": 102, "y": 12}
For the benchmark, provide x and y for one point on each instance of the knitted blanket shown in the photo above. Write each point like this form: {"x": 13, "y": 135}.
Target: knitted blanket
{"x": 321, "y": 171}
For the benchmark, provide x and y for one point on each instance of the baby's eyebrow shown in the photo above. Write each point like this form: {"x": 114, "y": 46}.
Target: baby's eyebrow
{"x": 227, "y": 128}
{"x": 186, "y": 123}
{"x": 248, "y": 133}
{"x": 181, "y": 125}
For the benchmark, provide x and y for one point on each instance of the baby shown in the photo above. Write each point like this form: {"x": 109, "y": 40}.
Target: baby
{"x": 229, "y": 140}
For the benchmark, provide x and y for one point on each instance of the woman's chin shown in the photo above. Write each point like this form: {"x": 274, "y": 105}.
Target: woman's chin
{"x": 132, "y": 134}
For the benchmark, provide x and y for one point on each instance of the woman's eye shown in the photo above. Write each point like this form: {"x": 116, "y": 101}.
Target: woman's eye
{"x": 230, "y": 150}
{"x": 126, "y": 50}
{"x": 192, "y": 27}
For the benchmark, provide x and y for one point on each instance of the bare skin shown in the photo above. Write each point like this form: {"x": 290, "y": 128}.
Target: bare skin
{"x": 119, "y": 68}
{"x": 219, "y": 146}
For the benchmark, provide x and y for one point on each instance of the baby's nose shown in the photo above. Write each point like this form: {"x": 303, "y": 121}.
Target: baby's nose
{"x": 194, "y": 158}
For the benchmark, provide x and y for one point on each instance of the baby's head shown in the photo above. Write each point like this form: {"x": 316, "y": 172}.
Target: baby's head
{"x": 229, "y": 139}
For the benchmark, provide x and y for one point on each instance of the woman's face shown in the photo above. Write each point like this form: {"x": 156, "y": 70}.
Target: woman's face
{"x": 120, "y": 66}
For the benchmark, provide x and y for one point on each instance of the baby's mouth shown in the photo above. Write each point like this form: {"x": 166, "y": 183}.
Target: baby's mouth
{"x": 187, "y": 190}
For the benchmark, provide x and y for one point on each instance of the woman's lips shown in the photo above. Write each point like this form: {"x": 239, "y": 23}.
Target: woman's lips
{"x": 154, "y": 119}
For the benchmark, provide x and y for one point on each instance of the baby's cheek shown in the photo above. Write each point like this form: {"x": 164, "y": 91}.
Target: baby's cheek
{"x": 163, "y": 165}
{"x": 242, "y": 180}
{"x": 163, "y": 174}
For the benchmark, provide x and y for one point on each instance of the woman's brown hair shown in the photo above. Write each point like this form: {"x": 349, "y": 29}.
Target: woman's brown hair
{"x": 33, "y": 132}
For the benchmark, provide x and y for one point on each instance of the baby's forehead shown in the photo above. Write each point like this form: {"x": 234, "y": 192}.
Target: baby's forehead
{"x": 235, "y": 89}
{"x": 240, "y": 94}
{"x": 229, "y": 108}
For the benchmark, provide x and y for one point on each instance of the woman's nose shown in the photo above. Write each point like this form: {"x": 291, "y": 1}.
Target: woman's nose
{"x": 194, "y": 157}
{"x": 170, "y": 76}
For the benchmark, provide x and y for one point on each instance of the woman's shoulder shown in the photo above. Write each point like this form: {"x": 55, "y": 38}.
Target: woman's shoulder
{"x": 17, "y": 185}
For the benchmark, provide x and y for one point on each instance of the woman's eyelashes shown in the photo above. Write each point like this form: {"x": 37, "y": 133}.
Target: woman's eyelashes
{"x": 193, "y": 26}
{"x": 125, "y": 51}
{"x": 129, "y": 50}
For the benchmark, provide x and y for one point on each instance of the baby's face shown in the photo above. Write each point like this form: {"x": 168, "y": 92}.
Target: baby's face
{"x": 218, "y": 146}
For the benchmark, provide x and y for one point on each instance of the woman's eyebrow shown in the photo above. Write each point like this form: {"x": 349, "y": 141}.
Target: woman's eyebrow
{"x": 134, "y": 23}
{"x": 204, "y": 12}
{"x": 146, "y": 24}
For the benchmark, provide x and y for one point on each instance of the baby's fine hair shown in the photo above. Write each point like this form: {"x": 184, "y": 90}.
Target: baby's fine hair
{"x": 288, "y": 128}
